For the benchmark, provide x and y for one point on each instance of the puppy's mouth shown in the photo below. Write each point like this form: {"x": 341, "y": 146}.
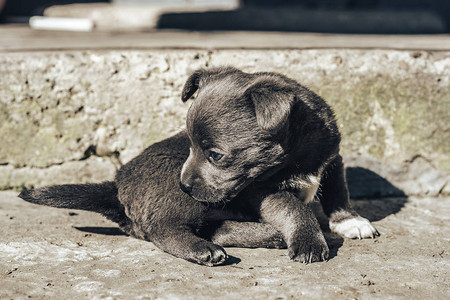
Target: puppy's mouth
{"x": 221, "y": 196}
{"x": 213, "y": 199}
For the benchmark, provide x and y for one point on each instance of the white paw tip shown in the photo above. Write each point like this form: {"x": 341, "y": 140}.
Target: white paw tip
{"x": 354, "y": 228}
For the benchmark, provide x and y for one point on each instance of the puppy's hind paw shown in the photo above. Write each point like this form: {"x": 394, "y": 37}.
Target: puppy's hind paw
{"x": 354, "y": 228}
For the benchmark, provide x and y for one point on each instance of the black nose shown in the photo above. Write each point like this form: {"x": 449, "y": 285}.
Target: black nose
{"x": 186, "y": 188}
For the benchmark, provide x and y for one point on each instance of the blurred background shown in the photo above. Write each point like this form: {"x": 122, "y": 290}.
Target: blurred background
{"x": 326, "y": 16}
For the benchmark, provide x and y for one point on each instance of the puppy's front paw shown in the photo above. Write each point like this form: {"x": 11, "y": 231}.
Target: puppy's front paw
{"x": 354, "y": 228}
{"x": 209, "y": 254}
{"x": 307, "y": 250}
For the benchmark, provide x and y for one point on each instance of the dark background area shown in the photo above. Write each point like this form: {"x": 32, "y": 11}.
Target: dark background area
{"x": 328, "y": 16}
{"x": 18, "y": 11}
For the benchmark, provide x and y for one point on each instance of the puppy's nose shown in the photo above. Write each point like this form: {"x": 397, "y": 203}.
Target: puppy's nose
{"x": 186, "y": 188}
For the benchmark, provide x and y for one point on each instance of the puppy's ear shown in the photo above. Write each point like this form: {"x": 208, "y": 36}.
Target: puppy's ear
{"x": 273, "y": 102}
{"x": 191, "y": 85}
{"x": 193, "y": 82}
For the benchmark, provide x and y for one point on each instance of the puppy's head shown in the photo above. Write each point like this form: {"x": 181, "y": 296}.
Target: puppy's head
{"x": 235, "y": 126}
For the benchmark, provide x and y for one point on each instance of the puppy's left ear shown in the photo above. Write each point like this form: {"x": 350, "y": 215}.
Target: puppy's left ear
{"x": 191, "y": 85}
{"x": 273, "y": 102}
{"x": 196, "y": 79}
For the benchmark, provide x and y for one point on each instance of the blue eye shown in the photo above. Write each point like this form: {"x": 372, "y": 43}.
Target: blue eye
{"x": 215, "y": 156}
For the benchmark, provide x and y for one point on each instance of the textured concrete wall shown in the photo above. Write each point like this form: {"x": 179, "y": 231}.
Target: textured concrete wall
{"x": 77, "y": 116}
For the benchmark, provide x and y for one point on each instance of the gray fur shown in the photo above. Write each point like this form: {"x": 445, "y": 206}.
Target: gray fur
{"x": 274, "y": 141}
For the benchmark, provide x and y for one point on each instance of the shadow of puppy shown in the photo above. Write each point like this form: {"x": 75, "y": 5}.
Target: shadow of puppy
{"x": 101, "y": 230}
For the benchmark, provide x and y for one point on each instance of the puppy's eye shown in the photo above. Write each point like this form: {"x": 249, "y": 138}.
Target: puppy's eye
{"x": 215, "y": 156}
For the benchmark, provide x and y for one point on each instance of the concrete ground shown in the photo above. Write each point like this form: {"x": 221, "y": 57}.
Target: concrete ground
{"x": 59, "y": 254}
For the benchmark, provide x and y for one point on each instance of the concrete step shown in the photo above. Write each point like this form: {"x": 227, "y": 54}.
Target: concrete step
{"x": 74, "y": 107}
{"x": 22, "y": 38}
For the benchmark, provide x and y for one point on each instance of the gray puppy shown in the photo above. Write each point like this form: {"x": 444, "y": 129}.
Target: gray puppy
{"x": 256, "y": 150}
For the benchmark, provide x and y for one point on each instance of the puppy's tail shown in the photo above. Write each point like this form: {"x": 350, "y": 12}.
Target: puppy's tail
{"x": 99, "y": 197}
